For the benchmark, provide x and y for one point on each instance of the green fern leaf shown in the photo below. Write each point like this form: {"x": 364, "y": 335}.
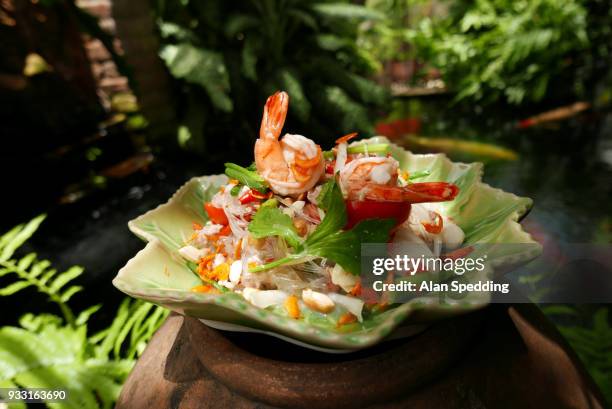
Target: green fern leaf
{"x": 137, "y": 316}
{"x": 113, "y": 331}
{"x": 35, "y": 323}
{"x": 13, "y": 288}
{"x": 26, "y": 261}
{"x": 39, "y": 268}
{"x": 72, "y": 290}
{"x": 16, "y": 237}
{"x": 54, "y": 353}
{"x": 64, "y": 278}
{"x": 84, "y": 315}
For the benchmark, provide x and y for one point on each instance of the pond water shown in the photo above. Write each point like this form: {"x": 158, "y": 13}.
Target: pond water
{"x": 566, "y": 167}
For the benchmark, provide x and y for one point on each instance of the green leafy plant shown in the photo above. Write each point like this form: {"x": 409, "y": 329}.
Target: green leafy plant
{"x": 387, "y": 40}
{"x": 56, "y": 352}
{"x": 592, "y": 343}
{"x": 502, "y": 49}
{"x": 230, "y": 56}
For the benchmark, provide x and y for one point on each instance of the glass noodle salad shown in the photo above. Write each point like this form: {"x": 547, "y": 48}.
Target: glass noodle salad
{"x": 286, "y": 232}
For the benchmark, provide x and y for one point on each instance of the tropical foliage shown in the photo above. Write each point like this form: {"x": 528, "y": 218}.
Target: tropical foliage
{"x": 56, "y": 351}
{"x": 503, "y": 49}
{"x": 230, "y": 55}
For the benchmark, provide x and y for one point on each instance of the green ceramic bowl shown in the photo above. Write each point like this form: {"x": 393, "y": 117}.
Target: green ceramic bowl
{"x": 159, "y": 275}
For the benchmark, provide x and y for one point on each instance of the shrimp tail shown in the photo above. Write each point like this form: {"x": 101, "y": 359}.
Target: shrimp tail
{"x": 274, "y": 115}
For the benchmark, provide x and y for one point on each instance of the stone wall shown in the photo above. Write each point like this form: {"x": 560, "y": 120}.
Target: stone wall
{"x": 109, "y": 81}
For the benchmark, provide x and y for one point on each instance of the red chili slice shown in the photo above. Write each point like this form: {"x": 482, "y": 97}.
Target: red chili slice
{"x": 215, "y": 214}
{"x": 359, "y": 210}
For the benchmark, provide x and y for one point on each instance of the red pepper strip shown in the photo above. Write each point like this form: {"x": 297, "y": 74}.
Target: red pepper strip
{"x": 252, "y": 196}
{"x": 346, "y": 138}
{"x": 215, "y": 214}
{"x": 437, "y": 225}
{"x": 225, "y": 231}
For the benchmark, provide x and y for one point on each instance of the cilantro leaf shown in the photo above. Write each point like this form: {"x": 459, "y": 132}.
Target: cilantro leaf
{"x": 270, "y": 221}
{"x": 344, "y": 247}
{"x": 246, "y": 176}
{"x": 330, "y": 199}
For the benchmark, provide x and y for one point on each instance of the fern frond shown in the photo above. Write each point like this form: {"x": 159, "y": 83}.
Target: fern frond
{"x": 54, "y": 357}
{"x": 133, "y": 326}
{"x": 55, "y": 353}
{"x": 12, "y": 240}
{"x": 30, "y": 272}
{"x": 593, "y": 345}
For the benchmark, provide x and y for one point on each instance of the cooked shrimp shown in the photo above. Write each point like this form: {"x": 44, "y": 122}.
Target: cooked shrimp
{"x": 375, "y": 178}
{"x": 292, "y": 165}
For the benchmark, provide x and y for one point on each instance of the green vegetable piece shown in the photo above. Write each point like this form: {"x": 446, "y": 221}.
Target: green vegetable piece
{"x": 247, "y": 177}
{"x": 328, "y": 155}
{"x": 273, "y": 202}
{"x": 235, "y": 190}
{"x": 375, "y": 148}
{"x": 270, "y": 221}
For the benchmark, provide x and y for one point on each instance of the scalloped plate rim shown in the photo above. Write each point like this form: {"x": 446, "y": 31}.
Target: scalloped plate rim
{"x": 367, "y": 337}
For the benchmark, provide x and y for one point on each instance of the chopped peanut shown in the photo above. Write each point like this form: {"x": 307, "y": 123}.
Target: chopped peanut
{"x": 196, "y": 226}
{"x": 292, "y": 307}
{"x": 256, "y": 243}
{"x": 317, "y": 301}
{"x": 301, "y": 226}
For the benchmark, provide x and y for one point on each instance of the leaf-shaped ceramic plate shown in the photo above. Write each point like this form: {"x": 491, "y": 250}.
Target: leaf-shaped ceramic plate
{"x": 159, "y": 275}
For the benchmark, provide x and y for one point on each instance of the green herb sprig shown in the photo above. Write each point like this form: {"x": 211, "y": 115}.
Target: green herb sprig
{"x": 328, "y": 240}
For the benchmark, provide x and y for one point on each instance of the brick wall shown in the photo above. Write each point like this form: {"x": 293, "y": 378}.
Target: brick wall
{"x": 108, "y": 79}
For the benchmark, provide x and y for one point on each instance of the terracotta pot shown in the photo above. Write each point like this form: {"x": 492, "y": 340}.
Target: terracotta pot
{"x": 274, "y": 372}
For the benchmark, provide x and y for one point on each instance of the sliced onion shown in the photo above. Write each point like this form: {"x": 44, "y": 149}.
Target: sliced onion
{"x": 264, "y": 298}
{"x": 341, "y": 155}
{"x": 352, "y": 304}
